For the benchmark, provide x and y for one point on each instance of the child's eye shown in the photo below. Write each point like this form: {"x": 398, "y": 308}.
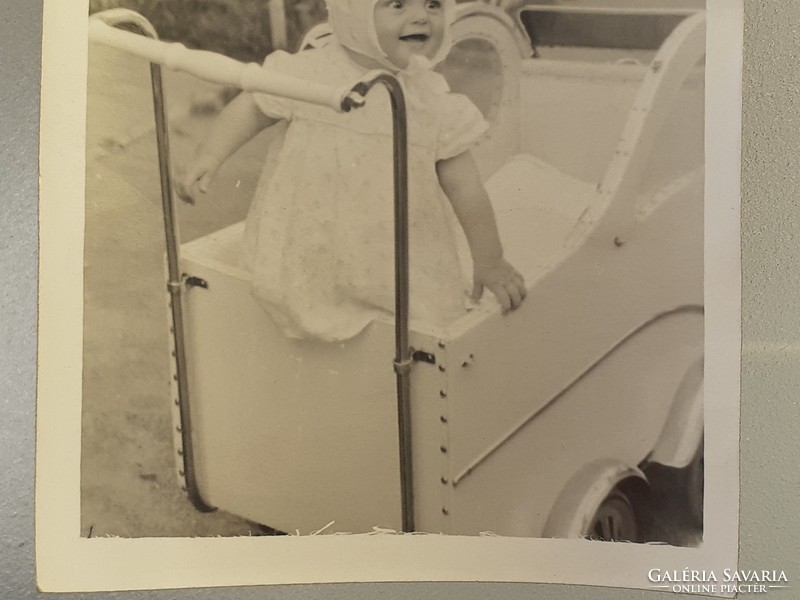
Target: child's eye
{"x": 433, "y": 4}
{"x": 395, "y": 4}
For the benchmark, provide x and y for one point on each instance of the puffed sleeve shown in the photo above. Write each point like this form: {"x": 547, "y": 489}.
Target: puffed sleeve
{"x": 275, "y": 106}
{"x": 461, "y": 127}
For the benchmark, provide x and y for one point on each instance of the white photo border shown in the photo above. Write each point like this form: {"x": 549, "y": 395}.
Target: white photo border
{"x": 68, "y": 562}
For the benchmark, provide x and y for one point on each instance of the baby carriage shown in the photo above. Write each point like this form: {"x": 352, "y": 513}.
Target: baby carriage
{"x": 553, "y": 421}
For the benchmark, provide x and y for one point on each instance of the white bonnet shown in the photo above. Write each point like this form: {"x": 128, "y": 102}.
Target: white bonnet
{"x": 353, "y": 23}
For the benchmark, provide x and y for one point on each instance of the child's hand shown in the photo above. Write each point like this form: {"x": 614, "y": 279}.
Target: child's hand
{"x": 196, "y": 178}
{"x": 504, "y": 282}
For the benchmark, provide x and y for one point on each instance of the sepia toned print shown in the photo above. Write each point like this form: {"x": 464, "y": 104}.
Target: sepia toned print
{"x": 561, "y": 393}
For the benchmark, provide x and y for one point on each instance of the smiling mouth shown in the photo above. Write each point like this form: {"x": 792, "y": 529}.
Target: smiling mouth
{"x": 415, "y": 37}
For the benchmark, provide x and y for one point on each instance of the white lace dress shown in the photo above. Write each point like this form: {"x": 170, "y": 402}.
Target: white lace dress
{"x": 320, "y": 241}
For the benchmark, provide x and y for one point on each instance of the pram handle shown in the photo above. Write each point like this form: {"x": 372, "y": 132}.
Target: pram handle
{"x": 403, "y": 353}
{"x": 217, "y": 68}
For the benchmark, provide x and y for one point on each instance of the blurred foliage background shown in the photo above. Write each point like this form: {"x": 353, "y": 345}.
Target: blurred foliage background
{"x": 237, "y": 28}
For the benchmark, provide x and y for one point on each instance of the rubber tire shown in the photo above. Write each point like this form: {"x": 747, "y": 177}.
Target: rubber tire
{"x": 691, "y": 480}
{"x": 681, "y": 487}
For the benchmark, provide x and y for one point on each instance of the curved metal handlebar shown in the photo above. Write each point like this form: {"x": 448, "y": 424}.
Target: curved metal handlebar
{"x": 214, "y": 67}
{"x": 403, "y": 354}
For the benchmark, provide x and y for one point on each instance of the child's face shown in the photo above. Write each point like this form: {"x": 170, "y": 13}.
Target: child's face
{"x": 408, "y": 27}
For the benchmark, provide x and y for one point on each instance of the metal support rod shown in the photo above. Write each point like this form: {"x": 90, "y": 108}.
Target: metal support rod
{"x": 277, "y": 24}
{"x": 403, "y": 354}
{"x": 175, "y": 287}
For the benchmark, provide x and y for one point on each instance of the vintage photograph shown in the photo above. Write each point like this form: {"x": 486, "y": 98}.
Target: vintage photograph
{"x": 396, "y": 266}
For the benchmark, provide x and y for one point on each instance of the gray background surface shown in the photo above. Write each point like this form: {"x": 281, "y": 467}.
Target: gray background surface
{"x": 770, "y": 531}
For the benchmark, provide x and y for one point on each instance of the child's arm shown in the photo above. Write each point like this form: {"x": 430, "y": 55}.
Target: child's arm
{"x": 458, "y": 177}
{"x": 238, "y": 122}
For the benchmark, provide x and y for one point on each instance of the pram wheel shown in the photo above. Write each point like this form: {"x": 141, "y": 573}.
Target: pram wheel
{"x": 615, "y": 520}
